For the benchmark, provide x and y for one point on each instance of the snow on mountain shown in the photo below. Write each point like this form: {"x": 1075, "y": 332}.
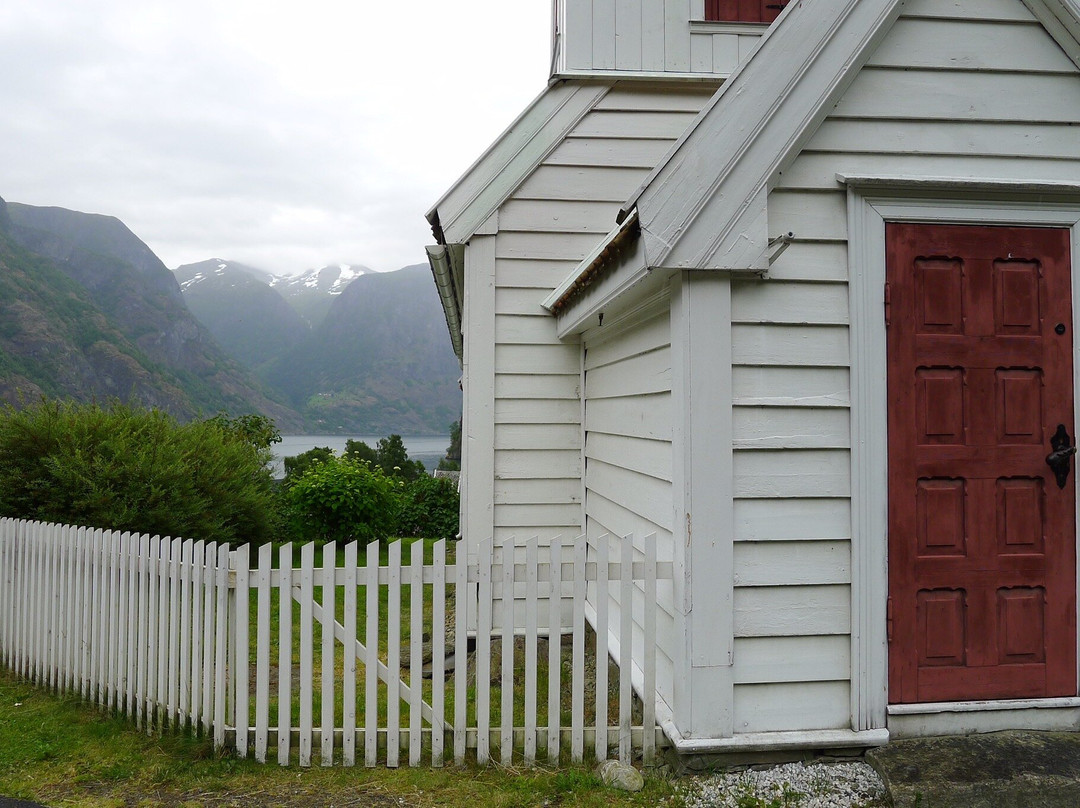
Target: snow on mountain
{"x": 331, "y": 279}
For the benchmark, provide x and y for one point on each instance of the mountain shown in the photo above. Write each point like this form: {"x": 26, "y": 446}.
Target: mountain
{"x": 88, "y": 311}
{"x": 249, "y": 319}
{"x": 311, "y": 292}
{"x": 379, "y": 363}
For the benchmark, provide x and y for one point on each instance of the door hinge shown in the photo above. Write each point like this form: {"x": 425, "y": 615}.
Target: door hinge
{"x": 888, "y": 619}
{"x": 888, "y": 305}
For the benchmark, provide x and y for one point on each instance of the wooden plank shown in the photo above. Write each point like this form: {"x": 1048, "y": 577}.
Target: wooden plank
{"x": 701, "y": 53}
{"x": 760, "y": 660}
{"x": 462, "y": 620}
{"x": 115, "y": 597}
{"x": 554, "y": 594}
{"x": 538, "y": 436}
{"x": 613, "y": 517}
{"x": 1029, "y": 140}
{"x": 537, "y": 463}
{"x": 241, "y": 672}
{"x": 161, "y": 694}
{"x": 789, "y": 345}
{"x": 536, "y": 515}
{"x": 628, "y": 35}
{"x": 184, "y": 706}
{"x": 142, "y": 638}
{"x": 677, "y": 43}
{"x": 209, "y": 636}
{"x": 537, "y": 411}
{"x": 970, "y": 95}
{"x": 653, "y": 331}
{"x": 578, "y": 183}
{"x": 416, "y": 651}
{"x": 791, "y": 428}
{"x": 371, "y": 658}
{"x": 329, "y": 608}
{"x": 792, "y": 707}
{"x": 552, "y": 358}
{"x": 221, "y": 649}
{"x": 645, "y": 496}
{"x": 641, "y": 416}
{"x": 609, "y": 151}
{"x": 173, "y": 660}
{"x": 642, "y": 375}
{"x": 653, "y": 37}
{"x": 527, "y": 272}
{"x": 579, "y": 27}
{"x": 787, "y": 611}
{"x": 531, "y": 608}
{"x": 809, "y": 214}
{"x": 538, "y": 492}
{"x": 649, "y": 457}
{"x": 523, "y": 300}
{"x": 786, "y": 302}
{"x": 970, "y": 45}
{"x": 393, "y": 656}
{"x": 790, "y": 387}
{"x": 637, "y": 125}
{"x": 506, "y": 657}
{"x": 307, "y": 651}
{"x": 558, "y": 216}
{"x": 438, "y": 652}
{"x": 516, "y": 329}
{"x": 600, "y": 603}
{"x": 603, "y": 34}
{"x": 348, "y": 673}
{"x": 794, "y": 473}
{"x": 794, "y": 563}
{"x": 262, "y": 652}
{"x": 726, "y": 53}
{"x": 811, "y": 261}
{"x": 484, "y": 558}
{"x": 532, "y": 386}
{"x": 570, "y": 247}
{"x": 626, "y": 643}
{"x": 198, "y": 631}
{"x": 648, "y": 690}
{"x": 1005, "y": 10}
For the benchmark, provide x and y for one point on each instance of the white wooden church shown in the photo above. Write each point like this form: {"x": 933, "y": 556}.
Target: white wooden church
{"x": 792, "y": 289}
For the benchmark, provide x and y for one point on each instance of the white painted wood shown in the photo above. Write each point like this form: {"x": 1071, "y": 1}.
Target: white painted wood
{"x": 603, "y": 34}
{"x": 550, "y": 358}
{"x": 262, "y": 652}
{"x": 506, "y": 624}
{"x": 538, "y": 436}
{"x": 329, "y": 610}
{"x": 438, "y": 653}
{"x": 626, "y": 627}
{"x": 462, "y": 619}
{"x": 209, "y": 639}
{"x": 537, "y": 411}
{"x": 240, "y": 563}
{"x": 221, "y": 649}
{"x": 790, "y": 428}
{"x": 786, "y": 611}
{"x": 577, "y": 690}
{"x": 173, "y": 659}
{"x": 307, "y": 666}
{"x": 760, "y": 660}
{"x": 628, "y": 152}
{"x": 807, "y": 346}
{"x": 644, "y": 374}
{"x": 416, "y": 633}
{"x": 483, "y": 650}
{"x": 531, "y": 621}
{"x": 547, "y": 246}
{"x": 791, "y": 707}
{"x": 789, "y": 302}
{"x": 152, "y": 637}
{"x": 628, "y": 35}
{"x": 513, "y": 329}
{"x": 799, "y": 563}
{"x": 554, "y": 594}
{"x": 600, "y": 603}
{"x": 557, "y": 216}
{"x": 1004, "y": 10}
{"x": 184, "y": 704}
{"x": 643, "y": 416}
{"x": 790, "y": 387}
{"x": 112, "y": 682}
{"x": 550, "y": 386}
{"x": 650, "y": 457}
{"x": 634, "y": 125}
{"x": 371, "y": 658}
{"x": 649, "y": 643}
{"x": 610, "y": 344}
{"x": 393, "y": 656}
{"x": 198, "y": 632}
{"x": 792, "y": 519}
{"x": 348, "y": 674}
{"x": 161, "y": 695}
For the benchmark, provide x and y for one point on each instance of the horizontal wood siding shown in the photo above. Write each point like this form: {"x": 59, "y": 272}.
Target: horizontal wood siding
{"x": 628, "y": 460}
{"x": 545, "y": 228}
{"x": 970, "y": 88}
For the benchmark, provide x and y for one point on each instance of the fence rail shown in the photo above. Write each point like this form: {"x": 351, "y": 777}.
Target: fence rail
{"x": 343, "y": 656}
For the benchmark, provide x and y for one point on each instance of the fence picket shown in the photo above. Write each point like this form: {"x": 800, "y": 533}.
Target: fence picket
{"x": 416, "y": 638}
{"x": 240, "y": 561}
{"x": 648, "y": 742}
{"x": 626, "y": 634}
{"x": 602, "y": 594}
{"x": 122, "y": 618}
{"x": 285, "y": 613}
{"x": 532, "y": 561}
{"x": 577, "y": 689}
{"x": 506, "y": 657}
{"x": 198, "y": 565}
{"x": 438, "y": 652}
{"x": 187, "y": 548}
{"x": 262, "y": 652}
{"x": 329, "y": 610}
{"x": 554, "y": 593}
{"x": 485, "y": 560}
{"x": 221, "y": 638}
{"x": 371, "y": 658}
{"x": 307, "y": 662}
{"x": 348, "y": 674}
{"x": 153, "y": 622}
{"x": 209, "y": 644}
{"x": 393, "y": 657}
{"x": 461, "y": 647}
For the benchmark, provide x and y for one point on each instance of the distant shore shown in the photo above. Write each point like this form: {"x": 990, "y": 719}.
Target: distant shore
{"x": 428, "y": 449}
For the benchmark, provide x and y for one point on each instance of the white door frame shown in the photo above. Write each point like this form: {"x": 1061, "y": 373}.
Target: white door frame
{"x": 872, "y": 201}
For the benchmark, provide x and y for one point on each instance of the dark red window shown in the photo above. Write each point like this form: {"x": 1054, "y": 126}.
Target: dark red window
{"x": 743, "y": 10}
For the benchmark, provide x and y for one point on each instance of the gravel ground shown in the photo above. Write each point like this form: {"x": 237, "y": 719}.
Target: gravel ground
{"x": 792, "y": 785}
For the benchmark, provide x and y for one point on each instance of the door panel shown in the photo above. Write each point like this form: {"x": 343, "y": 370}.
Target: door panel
{"x": 981, "y": 539}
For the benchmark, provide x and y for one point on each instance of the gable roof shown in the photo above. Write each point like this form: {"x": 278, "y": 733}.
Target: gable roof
{"x": 721, "y": 170}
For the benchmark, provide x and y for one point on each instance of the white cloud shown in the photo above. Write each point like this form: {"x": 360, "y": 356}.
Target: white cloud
{"x": 286, "y": 137}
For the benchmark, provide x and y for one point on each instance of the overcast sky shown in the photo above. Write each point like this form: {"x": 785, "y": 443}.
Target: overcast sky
{"x": 282, "y": 135}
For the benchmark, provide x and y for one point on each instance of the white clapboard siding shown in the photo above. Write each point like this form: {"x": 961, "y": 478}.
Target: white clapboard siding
{"x": 791, "y": 707}
{"x": 650, "y": 457}
{"x": 764, "y": 386}
{"x": 797, "y": 563}
{"x": 790, "y": 345}
{"x": 641, "y": 374}
{"x": 792, "y": 611}
{"x": 792, "y": 519}
{"x": 792, "y": 473}
{"x": 787, "y": 302}
{"x": 527, "y": 386}
{"x": 790, "y": 428}
{"x": 760, "y": 660}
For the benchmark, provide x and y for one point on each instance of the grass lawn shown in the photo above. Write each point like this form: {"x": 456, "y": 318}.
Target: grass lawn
{"x": 59, "y": 752}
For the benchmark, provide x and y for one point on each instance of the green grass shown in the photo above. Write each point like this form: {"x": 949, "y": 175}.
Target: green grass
{"x": 61, "y": 753}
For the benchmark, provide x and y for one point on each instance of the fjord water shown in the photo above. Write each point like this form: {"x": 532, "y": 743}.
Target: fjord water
{"x": 428, "y": 449}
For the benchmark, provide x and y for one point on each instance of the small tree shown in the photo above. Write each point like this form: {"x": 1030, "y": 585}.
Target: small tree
{"x": 296, "y": 466}
{"x": 392, "y": 458}
{"x": 344, "y": 499}
{"x": 429, "y": 508}
{"x": 452, "y": 461}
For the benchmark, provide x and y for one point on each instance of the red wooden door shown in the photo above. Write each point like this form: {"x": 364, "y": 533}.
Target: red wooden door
{"x": 982, "y": 569}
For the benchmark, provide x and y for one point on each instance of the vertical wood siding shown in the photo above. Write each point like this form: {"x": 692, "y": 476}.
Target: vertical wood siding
{"x": 968, "y": 89}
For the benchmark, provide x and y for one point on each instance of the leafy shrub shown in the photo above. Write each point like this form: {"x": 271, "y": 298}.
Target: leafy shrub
{"x": 126, "y": 468}
{"x": 429, "y": 508}
{"x": 343, "y": 499}
{"x": 296, "y": 466}
{"x": 389, "y": 456}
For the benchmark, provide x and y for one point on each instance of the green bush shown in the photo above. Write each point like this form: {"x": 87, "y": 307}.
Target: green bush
{"x": 126, "y": 468}
{"x": 429, "y": 508}
{"x": 342, "y": 500}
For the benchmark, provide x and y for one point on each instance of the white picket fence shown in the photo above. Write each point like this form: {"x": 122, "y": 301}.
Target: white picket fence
{"x": 274, "y": 662}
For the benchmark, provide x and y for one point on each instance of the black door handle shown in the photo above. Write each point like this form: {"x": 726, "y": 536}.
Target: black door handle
{"x": 1058, "y": 459}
